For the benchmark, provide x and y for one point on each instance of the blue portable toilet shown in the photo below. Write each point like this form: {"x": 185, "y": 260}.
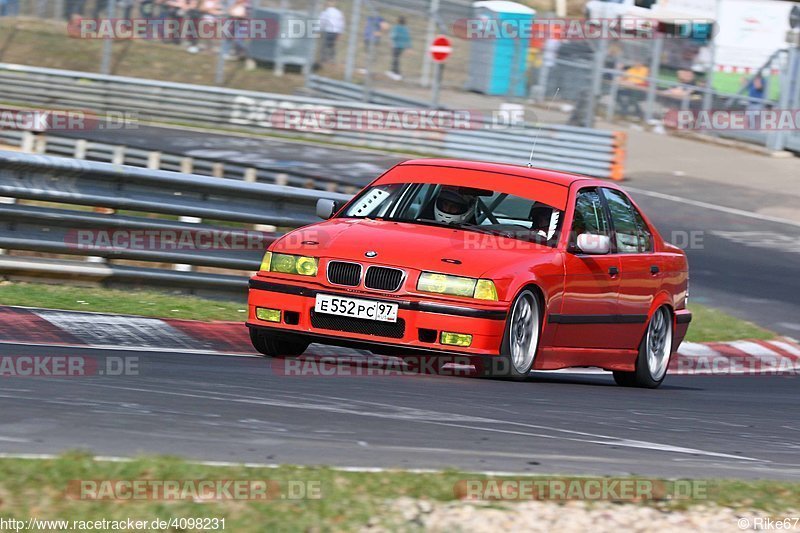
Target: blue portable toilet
{"x": 498, "y": 55}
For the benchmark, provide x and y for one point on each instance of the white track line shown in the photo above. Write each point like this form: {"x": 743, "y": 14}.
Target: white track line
{"x": 117, "y": 348}
{"x": 715, "y": 207}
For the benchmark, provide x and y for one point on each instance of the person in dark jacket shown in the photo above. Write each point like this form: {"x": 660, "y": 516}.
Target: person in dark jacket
{"x": 401, "y": 41}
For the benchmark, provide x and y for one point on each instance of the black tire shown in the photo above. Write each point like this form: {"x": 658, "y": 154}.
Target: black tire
{"x": 504, "y": 365}
{"x": 645, "y": 376}
{"x": 625, "y": 379}
{"x": 271, "y": 345}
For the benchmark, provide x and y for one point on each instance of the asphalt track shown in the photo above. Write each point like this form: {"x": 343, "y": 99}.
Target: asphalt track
{"x": 244, "y": 409}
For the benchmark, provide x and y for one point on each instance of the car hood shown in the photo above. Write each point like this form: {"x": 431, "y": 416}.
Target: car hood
{"x": 413, "y": 246}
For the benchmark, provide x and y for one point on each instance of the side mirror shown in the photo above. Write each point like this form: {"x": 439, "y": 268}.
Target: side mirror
{"x": 590, "y": 243}
{"x": 326, "y": 208}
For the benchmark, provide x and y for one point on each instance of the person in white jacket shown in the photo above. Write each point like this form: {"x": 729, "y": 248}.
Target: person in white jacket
{"x": 331, "y": 22}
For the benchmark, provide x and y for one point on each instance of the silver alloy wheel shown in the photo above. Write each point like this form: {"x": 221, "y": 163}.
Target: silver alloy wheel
{"x": 659, "y": 343}
{"x": 524, "y": 332}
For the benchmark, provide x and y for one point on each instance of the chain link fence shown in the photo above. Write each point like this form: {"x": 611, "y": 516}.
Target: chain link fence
{"x": 633, "y": 78}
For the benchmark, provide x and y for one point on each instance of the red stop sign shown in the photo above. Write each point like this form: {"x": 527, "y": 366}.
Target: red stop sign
{"x": 440, "y": 48}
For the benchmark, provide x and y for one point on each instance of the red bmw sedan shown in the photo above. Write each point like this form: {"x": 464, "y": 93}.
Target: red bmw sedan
{"x": 516, "y": 268}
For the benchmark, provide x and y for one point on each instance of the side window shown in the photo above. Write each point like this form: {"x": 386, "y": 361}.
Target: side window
{"x": 632, "y": 233}
{"x": 645, "y": 237}
{"x": 590, "y": 217}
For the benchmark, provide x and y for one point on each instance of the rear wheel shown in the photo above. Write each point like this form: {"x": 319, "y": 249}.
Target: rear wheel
{"x": 273, "y": 346}
{"x": 654, "y": 354}
{"x": 520, "y": 341}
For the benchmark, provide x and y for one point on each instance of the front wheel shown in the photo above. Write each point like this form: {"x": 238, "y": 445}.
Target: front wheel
{"x": 273, "y": 346}
{"x": 654, "y": 354}
{"x": 520, "y": 341}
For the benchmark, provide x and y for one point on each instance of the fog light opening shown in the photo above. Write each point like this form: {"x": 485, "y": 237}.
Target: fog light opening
{"x": 455, "y": 339}
{"x": 270, "y": 315}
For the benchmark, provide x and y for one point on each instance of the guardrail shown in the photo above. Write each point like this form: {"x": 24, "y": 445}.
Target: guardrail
{"x": 103, "y": 210}
{"x": 353, "y": 92}
{"x": 593, "y": 152}
{"x": 124, "y": 155}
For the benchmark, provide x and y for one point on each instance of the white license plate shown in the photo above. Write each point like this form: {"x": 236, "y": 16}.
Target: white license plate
{"x": 356, "y": 308}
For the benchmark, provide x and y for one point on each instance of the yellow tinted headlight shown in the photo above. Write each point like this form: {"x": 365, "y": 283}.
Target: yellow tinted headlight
{"x": 444, "y": 284}
{"x": 265, "y": 263}
{"x": 283, "y": 263}
{"x": 306, "y": 266}
{"x": 289, "y": 264}
{"x": 485, "y": 290}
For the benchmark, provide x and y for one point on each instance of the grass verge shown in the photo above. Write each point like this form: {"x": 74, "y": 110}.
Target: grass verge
{"x": 708, "y": 324}
{"x": 344, "y": 501}
{"x": 123, "y": 302}
{"x": 712, "y": 325}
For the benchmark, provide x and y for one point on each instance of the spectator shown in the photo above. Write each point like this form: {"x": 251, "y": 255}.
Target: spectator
{"x": 192, "y": 18}
{"x": 128, "y": 6}
{"x": 401, "y": 41}
{"x": 238, "y": 13}
{"x": 99, "y": 7}
{"x": 331, "y": 22}
{"x": 73, "y": 7}
{"x": 372, "y": 31}
{"x": 631, "y": 91}
{"x": 9, "y": 8}
{"x": 756, "y": 92}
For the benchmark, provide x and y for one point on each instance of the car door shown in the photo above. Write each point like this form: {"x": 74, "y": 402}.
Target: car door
{"x": 640, "y": 276}
{"x": 590, "y": 302}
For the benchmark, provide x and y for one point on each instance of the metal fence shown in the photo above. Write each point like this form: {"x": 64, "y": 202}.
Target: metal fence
{"x": 649, "y": 80}
{"x": 583, "y": 150}
{"x": 47, "y": 202}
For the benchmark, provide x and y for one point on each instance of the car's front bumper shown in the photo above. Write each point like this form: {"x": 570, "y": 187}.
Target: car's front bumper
{"x": 418, "y": 317}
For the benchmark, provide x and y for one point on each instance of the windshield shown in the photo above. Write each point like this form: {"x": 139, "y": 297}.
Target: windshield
{"x": 467, "y": 208}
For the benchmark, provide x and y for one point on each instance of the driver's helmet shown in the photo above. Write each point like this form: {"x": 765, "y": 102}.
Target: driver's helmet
{"x": 453, "y": 207}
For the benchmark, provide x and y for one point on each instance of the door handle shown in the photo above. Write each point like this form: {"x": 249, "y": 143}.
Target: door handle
{"x": 613, "y": 271}
{"x": 654, "y": 270}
